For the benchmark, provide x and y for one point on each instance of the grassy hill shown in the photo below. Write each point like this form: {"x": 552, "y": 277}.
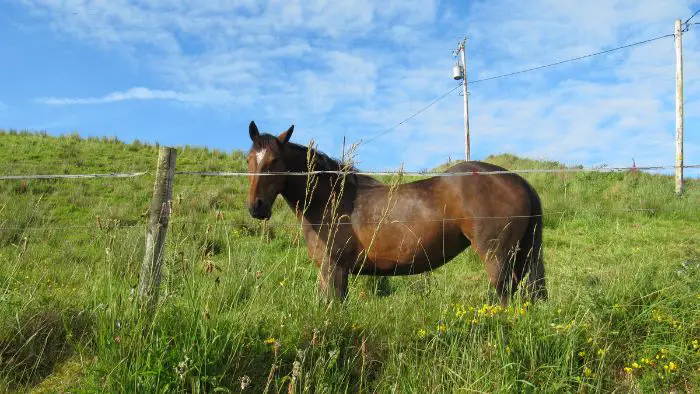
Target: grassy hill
{"x": 238, "y": 304}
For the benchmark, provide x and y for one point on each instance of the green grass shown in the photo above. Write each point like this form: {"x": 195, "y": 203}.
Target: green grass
{"x": 239, "y": 305}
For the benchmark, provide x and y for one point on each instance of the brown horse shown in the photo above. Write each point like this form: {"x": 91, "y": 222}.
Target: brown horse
{"x": 355, "y": 224}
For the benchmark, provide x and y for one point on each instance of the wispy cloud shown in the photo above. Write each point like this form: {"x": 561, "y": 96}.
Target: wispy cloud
{"x": 138, "y": 93}
{"x": 141, "y": 93}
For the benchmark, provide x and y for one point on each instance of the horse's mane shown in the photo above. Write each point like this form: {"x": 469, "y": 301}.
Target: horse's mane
{"x": 322, "y": 162}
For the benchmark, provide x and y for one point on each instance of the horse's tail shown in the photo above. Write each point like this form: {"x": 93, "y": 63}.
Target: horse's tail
{"x": 530, "y": 251}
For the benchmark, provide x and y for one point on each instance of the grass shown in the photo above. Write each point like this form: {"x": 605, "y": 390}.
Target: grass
{"x": 238, "y": 305}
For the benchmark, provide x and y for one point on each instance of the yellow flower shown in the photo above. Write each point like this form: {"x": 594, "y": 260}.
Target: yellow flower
{"x": 601, "y": 352}
{"x": 582, "y": 354}
{"x": 628, "y": 369}
{"x": 672, "y": 366}
{"x": 441, "y": 327}
{"x": 507, "y": 349}
{"x": 635, "y": 365}
{"x": 270, "y": 341}
{"x": 460, "y": 311}
{"x": 587, "y": 371}
{"x": 422, "y": 333}
{"x": 695, "y": 344}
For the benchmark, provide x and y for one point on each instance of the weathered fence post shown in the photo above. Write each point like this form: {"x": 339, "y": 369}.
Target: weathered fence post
{"x": 149, "y": 281}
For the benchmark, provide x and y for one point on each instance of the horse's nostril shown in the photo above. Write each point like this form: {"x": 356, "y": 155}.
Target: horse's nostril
{"x": 258, "y": 203}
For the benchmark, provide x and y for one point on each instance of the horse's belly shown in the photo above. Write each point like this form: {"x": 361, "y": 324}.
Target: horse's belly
{"x": 398, "y": 250}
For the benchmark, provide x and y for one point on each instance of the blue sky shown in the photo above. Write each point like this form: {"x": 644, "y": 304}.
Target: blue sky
{"x": 197, "y": 71}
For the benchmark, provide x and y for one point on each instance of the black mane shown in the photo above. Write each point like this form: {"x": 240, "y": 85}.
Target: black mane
{"x": 322, "y": 162}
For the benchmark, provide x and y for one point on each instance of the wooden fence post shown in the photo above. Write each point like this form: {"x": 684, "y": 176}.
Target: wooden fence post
{"x": 149, "y": 281}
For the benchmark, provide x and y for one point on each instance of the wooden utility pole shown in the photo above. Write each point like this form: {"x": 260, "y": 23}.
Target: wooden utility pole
{"x": 149, "y": 281}
{"x": 465, "y": 94}
{"x": 679, "y": 107}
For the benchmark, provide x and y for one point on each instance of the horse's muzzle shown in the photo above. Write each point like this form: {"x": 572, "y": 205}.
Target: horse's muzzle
{"x": 260, "y": 210}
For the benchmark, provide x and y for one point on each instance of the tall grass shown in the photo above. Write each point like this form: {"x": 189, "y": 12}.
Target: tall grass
{"x": 239, "y": 310}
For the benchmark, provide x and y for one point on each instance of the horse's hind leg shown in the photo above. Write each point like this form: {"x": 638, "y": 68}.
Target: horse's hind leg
{"x": 498, "y": 259}
{"x": 498, "y": 253}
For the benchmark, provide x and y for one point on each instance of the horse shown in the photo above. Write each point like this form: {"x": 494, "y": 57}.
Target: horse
{"x": 355, "y": 224}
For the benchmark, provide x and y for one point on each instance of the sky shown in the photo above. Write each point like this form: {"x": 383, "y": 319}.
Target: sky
{"x": 198, "y": 71}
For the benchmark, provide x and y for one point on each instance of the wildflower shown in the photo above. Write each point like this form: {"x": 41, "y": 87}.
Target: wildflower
{"x": 245, "y": 382}
{"x": 460, "y": 311}
{"x": 587, "y": 371}
{"x": 696, "y": 345}
{"x": 507, "y": 349}
{"x": 489, "y": 310}
{"x": 589, "y": 340}
{"x": 582, "y": 354}
{"x": 601, "y": 352}
{"x": 628, "y": 369}
{"x": 296, "y": 369}
{"x": 422, "y": 333}
{"x": 635, "y": 365}
{"x": 270, "y": 341}
{"x": 563, "y": 327}
{"x": 441, "y": 328}
{"x": 181, "y": 368}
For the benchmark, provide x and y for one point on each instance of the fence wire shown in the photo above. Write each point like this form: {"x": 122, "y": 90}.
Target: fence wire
{"x": 110, "y": 225}
{"x": 348, "y": 172}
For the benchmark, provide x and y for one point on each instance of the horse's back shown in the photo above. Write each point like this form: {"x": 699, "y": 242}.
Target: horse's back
{"x": 487, "y": 189}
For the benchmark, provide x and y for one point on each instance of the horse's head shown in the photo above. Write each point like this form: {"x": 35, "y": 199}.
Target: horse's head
{"x": 266, "y": 155}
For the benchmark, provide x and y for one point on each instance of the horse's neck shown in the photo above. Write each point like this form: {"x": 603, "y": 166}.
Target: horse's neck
{"x": 295, "y": 188}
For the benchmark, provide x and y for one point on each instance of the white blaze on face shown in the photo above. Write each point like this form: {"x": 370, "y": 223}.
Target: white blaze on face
{"x": 260, "y": 155}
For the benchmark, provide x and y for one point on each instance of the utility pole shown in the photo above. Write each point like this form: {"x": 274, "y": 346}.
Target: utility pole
{"x": 460, "y": 72}
{"x": 679, "y": 107}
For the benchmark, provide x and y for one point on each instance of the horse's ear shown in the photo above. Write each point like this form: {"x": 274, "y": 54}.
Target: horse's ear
{"x": 253, "y": 131}
{"x": 284, "y": 137}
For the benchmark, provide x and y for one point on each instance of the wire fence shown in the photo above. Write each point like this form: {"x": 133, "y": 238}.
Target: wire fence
{"x": 114, "y": 224}
{"x": 346, "y": 172}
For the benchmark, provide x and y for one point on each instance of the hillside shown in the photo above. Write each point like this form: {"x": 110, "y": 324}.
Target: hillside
{"x": 622, "y": 257}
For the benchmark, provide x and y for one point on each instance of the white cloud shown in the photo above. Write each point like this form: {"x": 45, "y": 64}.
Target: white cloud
{"x": 357, "y": 68}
